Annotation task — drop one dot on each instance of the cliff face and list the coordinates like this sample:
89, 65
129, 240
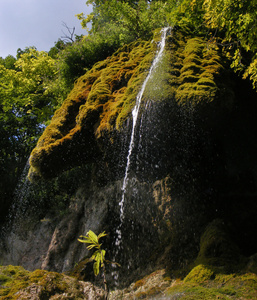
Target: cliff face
193, 163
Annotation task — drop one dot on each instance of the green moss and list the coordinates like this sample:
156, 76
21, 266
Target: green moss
4, 279
197, 68
103, 98
217, 271
199, 274
195, 292
204, 282
13, 279
17, 281
101, 101
216, 247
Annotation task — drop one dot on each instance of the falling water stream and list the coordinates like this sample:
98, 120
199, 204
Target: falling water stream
135, 113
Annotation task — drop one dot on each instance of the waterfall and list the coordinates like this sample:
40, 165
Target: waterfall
135, 113
19, 205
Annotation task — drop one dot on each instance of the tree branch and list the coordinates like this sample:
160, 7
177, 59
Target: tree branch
68, 37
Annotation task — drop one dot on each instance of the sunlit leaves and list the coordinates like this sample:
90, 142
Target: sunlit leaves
231, 24
237, 20
134, 19
251, 71
99, 258
99, 255
36, 72
27, 101
187, 13
27, 88
92, 239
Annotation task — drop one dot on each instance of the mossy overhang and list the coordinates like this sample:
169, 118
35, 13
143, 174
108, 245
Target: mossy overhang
102, 99
100, 102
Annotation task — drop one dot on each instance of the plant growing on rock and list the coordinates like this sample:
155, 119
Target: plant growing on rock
98, 256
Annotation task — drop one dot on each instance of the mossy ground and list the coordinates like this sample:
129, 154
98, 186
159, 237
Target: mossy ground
204, 282
218, 272
18, 283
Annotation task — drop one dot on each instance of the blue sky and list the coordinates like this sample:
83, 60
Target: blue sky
38, 23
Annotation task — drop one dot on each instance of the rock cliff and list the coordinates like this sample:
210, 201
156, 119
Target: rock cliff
193, 164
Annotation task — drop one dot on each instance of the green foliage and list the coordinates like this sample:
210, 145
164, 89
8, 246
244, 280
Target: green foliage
188, 14
28, 98
99, 255
77, 58
237, 21
26, 90
8, 62
228, 23
57, 48
129, 18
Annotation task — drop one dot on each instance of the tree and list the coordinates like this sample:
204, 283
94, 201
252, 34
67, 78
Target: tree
57, 48
231, 24
27, 102
187, 13
132, 19
235, 21
68, 37
8, 62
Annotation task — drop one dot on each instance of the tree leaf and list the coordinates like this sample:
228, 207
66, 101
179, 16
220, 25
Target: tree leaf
103, 256
91, 246
92, 236
102, 234
96, 267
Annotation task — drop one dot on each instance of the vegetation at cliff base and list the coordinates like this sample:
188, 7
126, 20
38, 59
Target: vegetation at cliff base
18, 283
204, 282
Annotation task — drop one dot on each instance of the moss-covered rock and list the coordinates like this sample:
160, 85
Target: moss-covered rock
199, 274
149, 287
202, 283
206, 283
101, 101
190, 72
216, 246
17, 283
197, 70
